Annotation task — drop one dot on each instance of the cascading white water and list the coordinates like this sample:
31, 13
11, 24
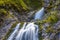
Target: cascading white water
14, 32
39, 14
27, 32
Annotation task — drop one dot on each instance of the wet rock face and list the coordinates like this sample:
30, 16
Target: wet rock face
23, 17
4, 30
53, 33
46, 3
57, 25
57, 36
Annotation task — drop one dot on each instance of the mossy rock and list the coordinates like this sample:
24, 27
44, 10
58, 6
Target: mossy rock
9, 31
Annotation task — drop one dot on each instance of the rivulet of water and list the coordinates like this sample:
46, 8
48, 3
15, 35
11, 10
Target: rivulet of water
11, 37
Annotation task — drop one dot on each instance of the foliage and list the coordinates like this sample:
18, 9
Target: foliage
34, 4
3, 15
52, 18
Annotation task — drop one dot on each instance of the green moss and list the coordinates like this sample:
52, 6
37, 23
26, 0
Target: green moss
3, 15
23, 5
1, 2
34, 4
51, 18
3, 11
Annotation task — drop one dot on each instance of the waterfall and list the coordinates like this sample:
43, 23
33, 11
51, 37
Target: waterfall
39, 14
27, 32
14, 32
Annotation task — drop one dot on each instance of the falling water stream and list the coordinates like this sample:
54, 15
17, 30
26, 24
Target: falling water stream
14, 32
28, 31
39, 14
